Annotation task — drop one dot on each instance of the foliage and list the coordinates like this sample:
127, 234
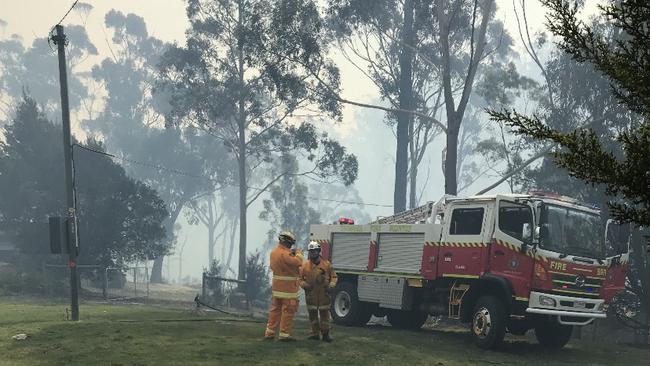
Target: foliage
288, 207
258, 281
622, 168
132, 123
119, 218
347, 203
424, 56
34, 70
246, 68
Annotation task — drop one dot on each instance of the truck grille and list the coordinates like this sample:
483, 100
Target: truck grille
576, 284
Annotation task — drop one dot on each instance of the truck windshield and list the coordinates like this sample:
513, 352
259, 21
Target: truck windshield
571, 232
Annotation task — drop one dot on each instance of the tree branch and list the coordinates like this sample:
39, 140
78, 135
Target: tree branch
526, 163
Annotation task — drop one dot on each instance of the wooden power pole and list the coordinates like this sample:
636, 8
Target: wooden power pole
73, 247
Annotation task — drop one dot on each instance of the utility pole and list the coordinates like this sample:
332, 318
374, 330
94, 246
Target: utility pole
73, 247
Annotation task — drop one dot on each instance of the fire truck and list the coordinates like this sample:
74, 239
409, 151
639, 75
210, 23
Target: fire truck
501, 263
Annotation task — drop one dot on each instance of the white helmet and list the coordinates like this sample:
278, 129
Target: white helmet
313, 246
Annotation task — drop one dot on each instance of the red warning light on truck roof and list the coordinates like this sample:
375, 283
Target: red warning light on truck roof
346, 221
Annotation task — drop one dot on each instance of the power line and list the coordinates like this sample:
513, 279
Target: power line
49, 35
66, 14
196, 176
148, 165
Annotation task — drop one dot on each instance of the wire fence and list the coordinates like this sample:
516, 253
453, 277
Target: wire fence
223, 292
97, 282
127, 283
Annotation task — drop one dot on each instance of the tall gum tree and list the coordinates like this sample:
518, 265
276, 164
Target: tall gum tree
246, 67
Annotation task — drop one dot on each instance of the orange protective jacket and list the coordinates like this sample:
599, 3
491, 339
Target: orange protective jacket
286, 272
316, 279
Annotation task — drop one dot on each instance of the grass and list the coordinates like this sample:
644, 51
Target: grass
144, 335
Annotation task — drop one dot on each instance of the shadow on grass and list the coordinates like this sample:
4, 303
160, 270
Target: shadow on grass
457, 337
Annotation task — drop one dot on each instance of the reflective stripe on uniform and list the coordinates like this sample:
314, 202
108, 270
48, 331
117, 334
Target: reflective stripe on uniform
285, 295
318, 307
285, 278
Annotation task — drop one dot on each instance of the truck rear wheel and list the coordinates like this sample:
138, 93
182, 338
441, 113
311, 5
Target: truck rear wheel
403, 319
488, 322
553, 335
346, 308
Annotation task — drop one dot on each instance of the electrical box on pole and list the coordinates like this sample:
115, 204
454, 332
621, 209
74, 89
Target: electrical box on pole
58, 236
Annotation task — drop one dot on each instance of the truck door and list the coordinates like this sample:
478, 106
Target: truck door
464, 243
509, 257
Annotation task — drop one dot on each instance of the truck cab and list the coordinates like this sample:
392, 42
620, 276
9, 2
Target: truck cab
502, 263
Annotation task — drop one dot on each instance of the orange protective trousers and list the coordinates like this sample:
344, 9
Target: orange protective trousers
322, 326
282, 313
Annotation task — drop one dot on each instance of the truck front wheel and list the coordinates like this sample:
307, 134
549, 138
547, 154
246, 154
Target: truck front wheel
553, 335
346, 308
488, 322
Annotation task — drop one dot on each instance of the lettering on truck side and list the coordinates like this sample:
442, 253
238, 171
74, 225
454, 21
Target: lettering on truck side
352, 228
558, 266
400, 228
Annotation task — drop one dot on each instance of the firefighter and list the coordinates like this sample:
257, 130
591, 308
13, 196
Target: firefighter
318, 279
285, 265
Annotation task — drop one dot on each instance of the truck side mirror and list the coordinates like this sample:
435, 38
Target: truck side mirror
617, 237
526, 236
526, 232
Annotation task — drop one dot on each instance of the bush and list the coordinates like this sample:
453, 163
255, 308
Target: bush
257, 279
14, 281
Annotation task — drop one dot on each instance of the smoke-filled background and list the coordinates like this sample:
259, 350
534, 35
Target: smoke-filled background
155, 84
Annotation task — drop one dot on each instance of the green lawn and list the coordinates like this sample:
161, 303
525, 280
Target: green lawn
141, 335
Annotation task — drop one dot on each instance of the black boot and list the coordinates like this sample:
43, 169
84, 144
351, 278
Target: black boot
326, 337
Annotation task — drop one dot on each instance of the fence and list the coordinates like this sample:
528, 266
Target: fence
97, 282
221, 291
126, 283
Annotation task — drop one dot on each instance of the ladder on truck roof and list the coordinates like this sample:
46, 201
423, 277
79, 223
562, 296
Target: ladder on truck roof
413, 216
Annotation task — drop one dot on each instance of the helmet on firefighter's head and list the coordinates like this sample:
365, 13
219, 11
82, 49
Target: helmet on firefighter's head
313, 246
287, 238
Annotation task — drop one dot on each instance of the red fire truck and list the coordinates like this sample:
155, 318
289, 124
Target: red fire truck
502, 263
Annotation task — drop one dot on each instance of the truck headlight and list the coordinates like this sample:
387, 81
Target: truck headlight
547, 301
602, 307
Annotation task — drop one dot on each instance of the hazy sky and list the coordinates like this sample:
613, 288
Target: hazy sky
166, 20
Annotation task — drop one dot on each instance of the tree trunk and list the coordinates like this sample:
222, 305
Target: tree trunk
413, 176
455, 115
405, 103
451, 159
180, 267
641, 263
233, 233
211, 223
241, 159
211, 243
156, 270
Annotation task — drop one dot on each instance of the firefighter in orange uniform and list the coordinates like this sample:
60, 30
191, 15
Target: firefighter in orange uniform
285, 264
317, 278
